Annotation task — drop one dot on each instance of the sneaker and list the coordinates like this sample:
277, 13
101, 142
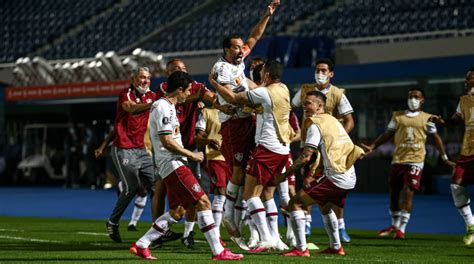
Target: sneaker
189, 241
345, 238
141, 252
253, 242
240, 242
262, 246
387, 231
132, 228
281, 246
296, 253
230, 226
113, 231
469, 237
307, 229
399, 235
166, 237
330, 250
226, 254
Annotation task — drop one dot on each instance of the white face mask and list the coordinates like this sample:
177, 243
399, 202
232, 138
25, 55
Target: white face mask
320, 78
414, 104
471, 92
141, 89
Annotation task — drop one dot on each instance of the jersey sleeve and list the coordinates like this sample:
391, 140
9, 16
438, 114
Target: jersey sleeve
345, 106
163, 120
458, 110
258, 96
431, 128
201, 122
125, 96
313, 137
296, 101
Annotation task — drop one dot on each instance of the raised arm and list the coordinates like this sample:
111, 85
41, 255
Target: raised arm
258, 30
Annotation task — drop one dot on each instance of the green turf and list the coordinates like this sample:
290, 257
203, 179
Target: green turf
59, 240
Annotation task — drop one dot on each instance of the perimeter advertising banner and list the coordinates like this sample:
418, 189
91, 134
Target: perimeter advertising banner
92, 89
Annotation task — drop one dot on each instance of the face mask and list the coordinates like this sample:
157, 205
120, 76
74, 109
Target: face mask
141, 89
414, 104
320, 78
471, 92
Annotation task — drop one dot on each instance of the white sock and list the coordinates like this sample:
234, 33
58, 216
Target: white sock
309, 219
298, 221
239, 209
231, 193
341, 224
188, 227
467, 215
253, 228
161, 225
284, 193
289, 228
140, 203
404, 218
208, 228
395, 215
272, 218
331, 226
218, 210
257, 212
462, 201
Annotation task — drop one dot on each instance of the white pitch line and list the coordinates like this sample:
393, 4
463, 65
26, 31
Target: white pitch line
32, 239
92, 234
11, 230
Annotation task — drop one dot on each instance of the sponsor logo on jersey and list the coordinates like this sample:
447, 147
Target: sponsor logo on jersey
165, 120
239, 156
196, 187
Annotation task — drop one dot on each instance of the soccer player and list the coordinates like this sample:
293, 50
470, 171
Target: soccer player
273, 138
135, 165
237, 131
187, 116
464, 171
323, 135
409, 129
207, 135
170, 158
338, 106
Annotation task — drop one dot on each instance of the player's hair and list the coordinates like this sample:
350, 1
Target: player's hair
226, 41
178, 79
173, 60
470, 70
274, 68
256, 73
138, 69
318, 95
417, 89
258, 58
327, 61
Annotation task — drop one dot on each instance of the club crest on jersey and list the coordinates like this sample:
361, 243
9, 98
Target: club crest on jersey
137, 100
149, 101
196, 187
124, 161
239, 156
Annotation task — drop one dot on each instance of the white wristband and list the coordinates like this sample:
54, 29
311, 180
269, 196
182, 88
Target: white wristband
444, 157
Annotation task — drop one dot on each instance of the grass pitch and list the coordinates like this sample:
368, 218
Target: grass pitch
48, 240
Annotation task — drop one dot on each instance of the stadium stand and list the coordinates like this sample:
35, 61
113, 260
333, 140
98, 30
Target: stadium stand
27, 25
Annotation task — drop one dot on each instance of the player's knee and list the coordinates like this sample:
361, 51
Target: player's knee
294, 204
